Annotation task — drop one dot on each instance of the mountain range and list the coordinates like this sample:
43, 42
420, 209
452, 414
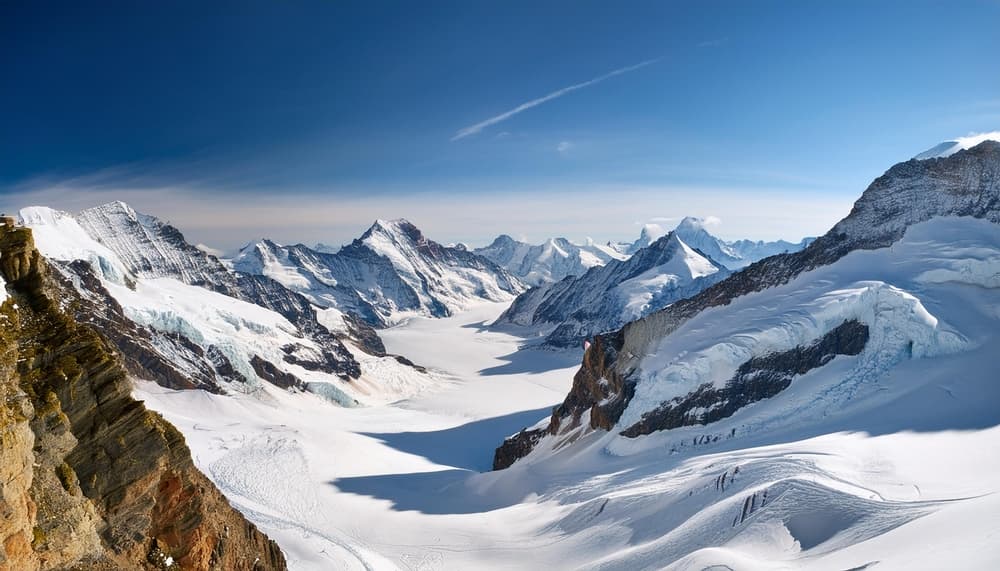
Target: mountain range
391, 271
606, 297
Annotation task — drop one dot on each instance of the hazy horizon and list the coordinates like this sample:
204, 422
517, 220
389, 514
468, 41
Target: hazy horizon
237, 122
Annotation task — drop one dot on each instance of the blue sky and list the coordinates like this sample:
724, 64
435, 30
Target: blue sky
305, 120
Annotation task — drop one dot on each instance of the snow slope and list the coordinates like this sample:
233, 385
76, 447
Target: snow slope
900, 478
388, 487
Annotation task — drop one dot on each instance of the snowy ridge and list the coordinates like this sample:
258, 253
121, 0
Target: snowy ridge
550, 261
949, 148
606, 297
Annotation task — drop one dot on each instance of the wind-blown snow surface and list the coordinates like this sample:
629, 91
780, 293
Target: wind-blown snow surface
885, 459
948, 148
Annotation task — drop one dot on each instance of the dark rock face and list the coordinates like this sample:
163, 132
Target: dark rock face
964, 184
757, 379
595, 377
515, 448
274, 375
105, 483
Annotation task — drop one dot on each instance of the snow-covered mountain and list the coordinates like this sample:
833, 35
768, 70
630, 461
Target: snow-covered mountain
550, 261
733, 255
898, 280
606, 297
181, 318
391, 270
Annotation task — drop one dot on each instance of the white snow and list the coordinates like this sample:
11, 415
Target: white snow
384, 487
948, 148
901, 472
679, 271
59, 236
885, 459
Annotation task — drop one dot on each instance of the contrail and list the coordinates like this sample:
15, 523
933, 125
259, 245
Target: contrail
473, 129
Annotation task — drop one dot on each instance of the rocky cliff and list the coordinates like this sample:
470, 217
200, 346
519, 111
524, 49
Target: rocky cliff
91, 479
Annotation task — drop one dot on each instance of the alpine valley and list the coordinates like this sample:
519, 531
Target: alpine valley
677, 402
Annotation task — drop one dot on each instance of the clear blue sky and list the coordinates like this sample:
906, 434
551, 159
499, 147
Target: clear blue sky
302, 120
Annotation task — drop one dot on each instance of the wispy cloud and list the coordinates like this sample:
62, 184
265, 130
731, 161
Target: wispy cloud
564, 147
473, 129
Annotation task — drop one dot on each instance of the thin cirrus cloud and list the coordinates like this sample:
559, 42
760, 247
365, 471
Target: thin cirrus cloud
476, 128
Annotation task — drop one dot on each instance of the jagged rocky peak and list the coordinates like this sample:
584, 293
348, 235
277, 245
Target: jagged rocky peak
92, 479
643, 378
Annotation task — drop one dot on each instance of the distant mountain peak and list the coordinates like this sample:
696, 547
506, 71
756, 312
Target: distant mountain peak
394, 229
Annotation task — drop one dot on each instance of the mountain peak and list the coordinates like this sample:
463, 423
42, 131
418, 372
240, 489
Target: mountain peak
948, 148
691, 223
396, 228
502, 240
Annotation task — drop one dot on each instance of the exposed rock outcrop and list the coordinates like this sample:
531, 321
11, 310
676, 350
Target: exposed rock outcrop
91, 478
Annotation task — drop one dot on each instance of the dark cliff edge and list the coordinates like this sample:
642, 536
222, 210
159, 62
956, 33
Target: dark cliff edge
90, 478
964, 184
